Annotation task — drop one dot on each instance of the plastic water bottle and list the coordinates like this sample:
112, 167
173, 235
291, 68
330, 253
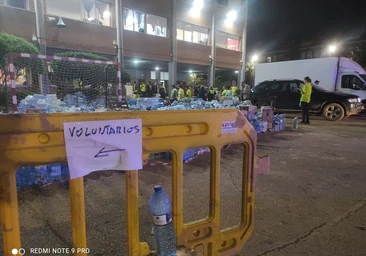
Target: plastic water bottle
160, 207
295, 124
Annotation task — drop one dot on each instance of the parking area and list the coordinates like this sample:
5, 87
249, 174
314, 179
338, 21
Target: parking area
312, 203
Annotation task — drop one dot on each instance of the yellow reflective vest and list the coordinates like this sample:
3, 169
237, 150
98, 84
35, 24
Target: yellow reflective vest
143, 87
306, 93
234, 90
180, 94
189, 93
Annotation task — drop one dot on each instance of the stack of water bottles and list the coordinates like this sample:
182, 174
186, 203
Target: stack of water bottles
195, 103
41, 175
279, 122
49, 103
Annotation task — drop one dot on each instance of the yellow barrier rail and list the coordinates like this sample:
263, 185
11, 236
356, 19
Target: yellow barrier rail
33, 139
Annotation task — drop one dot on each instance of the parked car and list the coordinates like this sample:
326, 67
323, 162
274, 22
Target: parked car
284, 94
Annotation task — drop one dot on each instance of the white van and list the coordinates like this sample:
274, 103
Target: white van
334, 74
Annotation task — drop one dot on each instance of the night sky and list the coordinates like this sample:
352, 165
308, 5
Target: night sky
275, 24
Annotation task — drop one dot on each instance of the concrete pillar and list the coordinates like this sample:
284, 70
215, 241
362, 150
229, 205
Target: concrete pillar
41, 35
41, 40
173, 34
119, 28
213, 47
244, 42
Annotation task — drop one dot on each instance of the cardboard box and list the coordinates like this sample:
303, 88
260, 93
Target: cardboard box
267, 114
249, 111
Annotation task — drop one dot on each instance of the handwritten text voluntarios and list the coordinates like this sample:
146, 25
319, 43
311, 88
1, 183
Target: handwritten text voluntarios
103, 130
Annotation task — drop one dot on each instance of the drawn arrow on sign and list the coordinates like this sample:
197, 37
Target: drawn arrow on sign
102, 152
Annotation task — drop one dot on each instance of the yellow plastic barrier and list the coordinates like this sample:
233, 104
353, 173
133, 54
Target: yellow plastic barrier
33, 139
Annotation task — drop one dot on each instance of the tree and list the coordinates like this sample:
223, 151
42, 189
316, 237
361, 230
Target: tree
12, 43
359, 54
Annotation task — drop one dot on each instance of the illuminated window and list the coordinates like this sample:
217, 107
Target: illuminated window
230, 42
97, 12
233, 43
128, 19
180, 34
139, 18
192, 33
153, 75
164, 75
187, 36
144, 23
133, 20
156, 25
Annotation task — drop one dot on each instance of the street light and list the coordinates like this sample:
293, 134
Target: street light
157, 68
236, 71
231, 17
196, 8
331, 49
255, 58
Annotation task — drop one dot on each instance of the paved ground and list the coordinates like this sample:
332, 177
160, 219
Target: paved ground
312, 203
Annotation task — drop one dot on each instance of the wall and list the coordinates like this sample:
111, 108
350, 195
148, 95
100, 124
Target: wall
146, 46
193, 53
19, 22
237, 27
227, 58
184, 7
81, 36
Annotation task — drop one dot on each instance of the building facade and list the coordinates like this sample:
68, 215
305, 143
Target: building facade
311, 50
147, 32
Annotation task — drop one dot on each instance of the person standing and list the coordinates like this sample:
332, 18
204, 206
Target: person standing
162, 92
202, 92
246, 91
143, 89
211, 94
180, 92
306, 91
173, 94
188, 92
234, 89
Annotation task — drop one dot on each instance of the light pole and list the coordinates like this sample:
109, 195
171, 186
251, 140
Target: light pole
244, 42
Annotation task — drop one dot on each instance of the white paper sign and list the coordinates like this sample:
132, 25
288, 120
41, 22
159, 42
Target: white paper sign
229, 127
103, 145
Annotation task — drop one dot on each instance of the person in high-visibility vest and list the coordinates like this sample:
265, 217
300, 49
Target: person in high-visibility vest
223, 93
189, 93
234, 88
211, 94
228, 92
180, 92
143, 89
